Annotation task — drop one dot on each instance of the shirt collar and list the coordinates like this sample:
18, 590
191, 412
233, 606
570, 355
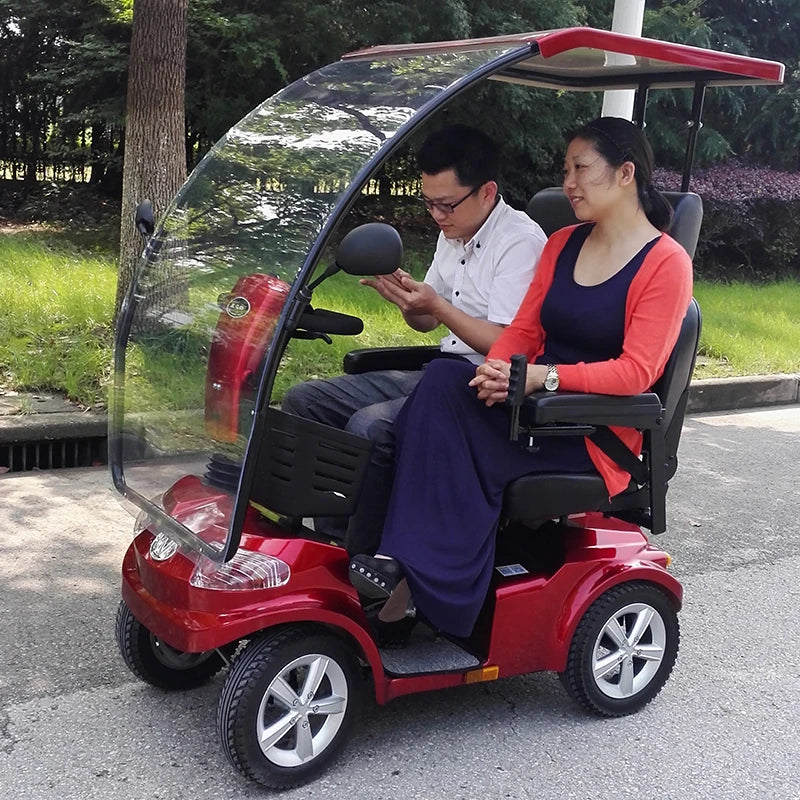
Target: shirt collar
479, 243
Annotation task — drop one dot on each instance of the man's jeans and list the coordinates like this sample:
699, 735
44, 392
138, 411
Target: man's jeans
364, 405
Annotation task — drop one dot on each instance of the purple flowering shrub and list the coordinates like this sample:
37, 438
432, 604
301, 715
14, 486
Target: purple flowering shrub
751, 221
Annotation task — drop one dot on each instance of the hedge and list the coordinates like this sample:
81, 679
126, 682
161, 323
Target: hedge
751, 222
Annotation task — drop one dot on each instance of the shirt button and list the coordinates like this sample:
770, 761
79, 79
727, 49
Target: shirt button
458, 293
463, 261
477, 244
453, 342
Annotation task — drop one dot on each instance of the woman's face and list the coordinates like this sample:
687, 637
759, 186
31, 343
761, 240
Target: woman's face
589, 180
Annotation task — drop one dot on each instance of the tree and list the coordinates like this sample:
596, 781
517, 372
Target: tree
766, 29
155, 155
61, 86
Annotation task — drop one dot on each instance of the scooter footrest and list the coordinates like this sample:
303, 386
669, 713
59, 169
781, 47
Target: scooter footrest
425, 653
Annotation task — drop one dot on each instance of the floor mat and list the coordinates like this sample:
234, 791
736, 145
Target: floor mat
426, 651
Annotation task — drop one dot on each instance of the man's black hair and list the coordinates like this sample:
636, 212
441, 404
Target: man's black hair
470, 153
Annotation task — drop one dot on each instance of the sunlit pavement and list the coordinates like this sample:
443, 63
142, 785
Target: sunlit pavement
75, 724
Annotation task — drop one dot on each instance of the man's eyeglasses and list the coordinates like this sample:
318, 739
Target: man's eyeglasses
444, 208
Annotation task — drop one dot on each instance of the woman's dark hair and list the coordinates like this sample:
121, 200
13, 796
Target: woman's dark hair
618, 141
470, 153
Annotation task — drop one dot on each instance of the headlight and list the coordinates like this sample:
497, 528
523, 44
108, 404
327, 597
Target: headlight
246, 570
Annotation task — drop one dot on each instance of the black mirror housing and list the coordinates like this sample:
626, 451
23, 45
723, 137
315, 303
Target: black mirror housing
374, 248
144, 218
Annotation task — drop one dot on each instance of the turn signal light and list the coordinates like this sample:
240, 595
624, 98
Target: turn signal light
483, 674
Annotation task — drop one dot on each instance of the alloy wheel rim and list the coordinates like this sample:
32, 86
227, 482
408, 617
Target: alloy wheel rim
302, 710
629, 650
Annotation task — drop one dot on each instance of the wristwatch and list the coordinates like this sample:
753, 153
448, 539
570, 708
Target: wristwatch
551, 381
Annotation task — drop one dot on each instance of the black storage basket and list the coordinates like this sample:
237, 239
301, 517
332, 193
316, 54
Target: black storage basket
307, 469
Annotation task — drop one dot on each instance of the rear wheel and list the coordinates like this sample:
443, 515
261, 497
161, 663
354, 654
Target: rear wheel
287, 705
158, 664
623, 650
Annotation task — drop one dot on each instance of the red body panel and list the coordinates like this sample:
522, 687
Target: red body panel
242, 334
601, 553
527, 626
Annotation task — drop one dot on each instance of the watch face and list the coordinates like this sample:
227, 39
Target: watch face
551, 381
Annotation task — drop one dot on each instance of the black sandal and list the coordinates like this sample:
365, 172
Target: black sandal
390, 635
393, 635
375, 578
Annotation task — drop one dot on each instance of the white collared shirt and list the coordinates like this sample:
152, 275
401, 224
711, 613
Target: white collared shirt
487, 277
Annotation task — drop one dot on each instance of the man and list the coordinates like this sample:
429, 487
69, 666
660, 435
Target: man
484, 261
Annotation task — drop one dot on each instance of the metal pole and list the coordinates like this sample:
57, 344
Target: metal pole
694, 124
628, 17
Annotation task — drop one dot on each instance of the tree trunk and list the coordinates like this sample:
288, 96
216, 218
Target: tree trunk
155, 155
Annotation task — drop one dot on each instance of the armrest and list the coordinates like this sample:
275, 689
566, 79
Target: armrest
407, 358
642, 411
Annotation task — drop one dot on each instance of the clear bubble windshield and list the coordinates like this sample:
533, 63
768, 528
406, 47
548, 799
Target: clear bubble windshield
216, 275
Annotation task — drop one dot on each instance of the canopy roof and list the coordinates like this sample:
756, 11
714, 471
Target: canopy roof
591, 59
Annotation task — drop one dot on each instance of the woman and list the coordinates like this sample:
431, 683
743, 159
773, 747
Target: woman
602, 315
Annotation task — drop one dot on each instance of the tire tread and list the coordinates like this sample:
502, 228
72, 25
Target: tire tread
244, 673
572, 678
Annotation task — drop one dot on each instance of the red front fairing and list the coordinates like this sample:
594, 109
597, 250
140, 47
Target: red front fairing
195, 619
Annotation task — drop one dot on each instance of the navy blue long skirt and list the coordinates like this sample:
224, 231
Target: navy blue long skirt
454, 460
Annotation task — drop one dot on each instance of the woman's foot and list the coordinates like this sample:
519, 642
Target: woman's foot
391, 633
399, 605
375, 576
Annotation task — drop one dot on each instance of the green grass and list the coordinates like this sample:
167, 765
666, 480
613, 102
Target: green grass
749, 329
56, 301
55, 319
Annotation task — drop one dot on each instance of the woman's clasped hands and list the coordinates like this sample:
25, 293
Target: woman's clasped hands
491, 380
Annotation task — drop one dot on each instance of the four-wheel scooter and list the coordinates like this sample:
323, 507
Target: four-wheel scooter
225, 571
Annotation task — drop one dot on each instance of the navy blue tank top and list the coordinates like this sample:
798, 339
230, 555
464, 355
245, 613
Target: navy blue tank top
585, 323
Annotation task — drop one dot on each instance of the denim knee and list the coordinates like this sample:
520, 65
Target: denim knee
295, 401
369, 423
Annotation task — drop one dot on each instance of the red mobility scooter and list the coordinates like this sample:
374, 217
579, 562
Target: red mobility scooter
225, 571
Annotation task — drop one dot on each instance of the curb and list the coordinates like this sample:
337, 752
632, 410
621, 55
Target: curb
705, 396
734, 394
19, 428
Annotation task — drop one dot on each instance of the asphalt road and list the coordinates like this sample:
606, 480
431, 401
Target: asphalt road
74, 723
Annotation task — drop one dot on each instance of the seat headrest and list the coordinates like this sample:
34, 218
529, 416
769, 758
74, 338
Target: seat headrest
551, 209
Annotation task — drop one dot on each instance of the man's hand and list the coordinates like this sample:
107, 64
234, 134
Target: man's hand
410, 296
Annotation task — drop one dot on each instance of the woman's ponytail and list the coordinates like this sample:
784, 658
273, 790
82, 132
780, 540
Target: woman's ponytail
656, 206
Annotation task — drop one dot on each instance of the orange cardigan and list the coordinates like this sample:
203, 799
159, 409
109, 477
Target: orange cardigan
658, 297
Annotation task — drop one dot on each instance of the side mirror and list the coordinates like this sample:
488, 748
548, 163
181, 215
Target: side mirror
374, 248
144, 219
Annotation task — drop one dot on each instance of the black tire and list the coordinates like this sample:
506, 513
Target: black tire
158, 664
613, 669
264, 689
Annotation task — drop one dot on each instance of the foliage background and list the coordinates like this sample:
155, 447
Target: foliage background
63, 73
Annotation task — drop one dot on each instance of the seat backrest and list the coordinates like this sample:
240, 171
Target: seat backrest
672, 387
551, 209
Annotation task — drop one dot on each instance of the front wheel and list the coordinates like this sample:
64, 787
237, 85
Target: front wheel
158, 664
623, 650
287, 705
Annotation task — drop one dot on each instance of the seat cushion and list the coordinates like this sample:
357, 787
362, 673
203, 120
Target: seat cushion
554, 494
